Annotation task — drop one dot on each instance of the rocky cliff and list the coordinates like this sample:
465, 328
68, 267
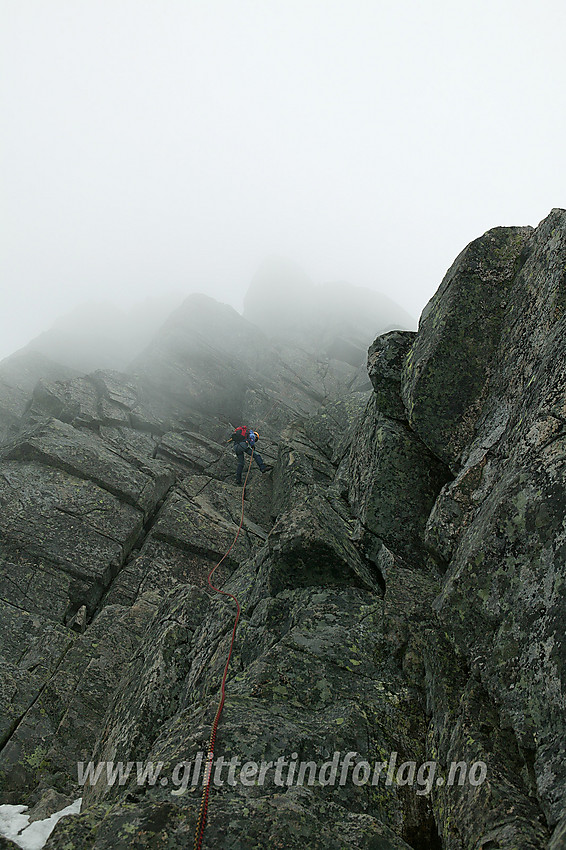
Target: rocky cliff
400, 572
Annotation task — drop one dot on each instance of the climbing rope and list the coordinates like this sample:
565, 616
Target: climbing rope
201, 820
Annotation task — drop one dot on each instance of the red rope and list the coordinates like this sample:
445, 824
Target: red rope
201, 820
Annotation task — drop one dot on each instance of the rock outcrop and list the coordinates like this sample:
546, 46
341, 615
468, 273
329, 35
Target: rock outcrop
19, 374
400, 572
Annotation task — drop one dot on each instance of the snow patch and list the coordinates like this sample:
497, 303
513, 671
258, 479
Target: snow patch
31, 836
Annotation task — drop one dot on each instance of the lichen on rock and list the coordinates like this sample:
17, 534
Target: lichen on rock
400, 572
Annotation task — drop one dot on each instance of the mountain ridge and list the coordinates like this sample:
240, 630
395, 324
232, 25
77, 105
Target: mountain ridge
399, 573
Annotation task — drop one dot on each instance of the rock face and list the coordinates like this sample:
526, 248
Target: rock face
501, 522
400, 573
443, 392
18, 376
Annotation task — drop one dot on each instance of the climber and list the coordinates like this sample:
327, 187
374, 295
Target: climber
244, 440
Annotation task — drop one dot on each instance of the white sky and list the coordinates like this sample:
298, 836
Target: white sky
163, 145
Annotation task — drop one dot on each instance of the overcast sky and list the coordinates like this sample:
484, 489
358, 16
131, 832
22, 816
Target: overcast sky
170, 145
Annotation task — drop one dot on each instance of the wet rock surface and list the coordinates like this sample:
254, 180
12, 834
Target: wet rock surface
400, 573
19, 374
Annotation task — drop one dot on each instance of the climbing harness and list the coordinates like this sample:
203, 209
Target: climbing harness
201, 820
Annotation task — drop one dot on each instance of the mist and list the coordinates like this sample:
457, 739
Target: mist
152, 150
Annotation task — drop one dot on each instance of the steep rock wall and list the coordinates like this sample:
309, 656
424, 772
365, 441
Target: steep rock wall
400, 572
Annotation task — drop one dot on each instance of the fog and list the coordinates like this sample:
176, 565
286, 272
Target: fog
163, 147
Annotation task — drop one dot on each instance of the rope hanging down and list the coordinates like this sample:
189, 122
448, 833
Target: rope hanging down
201, 820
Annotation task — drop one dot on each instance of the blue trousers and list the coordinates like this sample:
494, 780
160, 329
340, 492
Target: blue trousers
241, 449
